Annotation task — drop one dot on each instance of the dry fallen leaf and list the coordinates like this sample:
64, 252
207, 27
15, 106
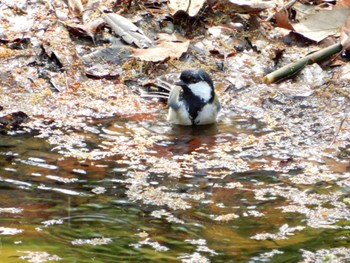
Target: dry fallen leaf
76, 7
88, 29
191, 7
124, 28
345, 34
322, 24
253, 6
282, 20
169, 46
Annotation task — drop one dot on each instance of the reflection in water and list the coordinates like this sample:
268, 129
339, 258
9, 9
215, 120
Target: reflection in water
184, 140
159, 194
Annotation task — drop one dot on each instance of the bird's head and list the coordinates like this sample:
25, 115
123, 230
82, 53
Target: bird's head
197, 82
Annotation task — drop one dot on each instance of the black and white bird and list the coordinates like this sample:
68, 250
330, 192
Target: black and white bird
193, 100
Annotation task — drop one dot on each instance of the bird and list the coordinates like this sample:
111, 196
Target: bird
193, 100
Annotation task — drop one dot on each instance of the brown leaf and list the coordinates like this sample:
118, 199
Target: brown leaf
322, 24
191, 7
76, 7
85, 30
345, 35
167, 48
282, 20
171, 38
253, 6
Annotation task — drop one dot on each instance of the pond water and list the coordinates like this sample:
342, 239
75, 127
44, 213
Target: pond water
153, 193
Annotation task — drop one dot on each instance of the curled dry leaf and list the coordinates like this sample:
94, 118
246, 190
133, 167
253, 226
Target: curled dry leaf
282, 20
345, 34
124, 28
345, 38
254, 6
169, 46
322, 24
191, 7
85, 30
76, 7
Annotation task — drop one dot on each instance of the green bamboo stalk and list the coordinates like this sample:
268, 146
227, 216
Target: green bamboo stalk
295, 67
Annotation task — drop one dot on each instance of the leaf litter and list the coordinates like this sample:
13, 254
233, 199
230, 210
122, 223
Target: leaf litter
292, 124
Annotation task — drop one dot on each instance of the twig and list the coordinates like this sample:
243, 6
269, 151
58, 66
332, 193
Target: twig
346, 111
188, 7
293, 68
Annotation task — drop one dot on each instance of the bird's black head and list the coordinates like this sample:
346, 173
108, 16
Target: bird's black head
192, 76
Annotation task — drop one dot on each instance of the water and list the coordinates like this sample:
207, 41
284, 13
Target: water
153, 193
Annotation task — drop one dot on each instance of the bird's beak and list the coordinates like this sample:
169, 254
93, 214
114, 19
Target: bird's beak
180, 83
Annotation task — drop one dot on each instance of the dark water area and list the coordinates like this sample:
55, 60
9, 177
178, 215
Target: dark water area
165, 195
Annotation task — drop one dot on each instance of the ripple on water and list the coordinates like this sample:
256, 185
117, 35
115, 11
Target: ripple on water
125, 206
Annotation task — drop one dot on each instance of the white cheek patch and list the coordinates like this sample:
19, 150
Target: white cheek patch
201, 89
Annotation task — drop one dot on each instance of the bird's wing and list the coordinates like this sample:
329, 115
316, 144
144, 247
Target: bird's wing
217, 103
154, 94
173, 100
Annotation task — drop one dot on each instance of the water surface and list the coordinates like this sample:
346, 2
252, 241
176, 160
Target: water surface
154, 193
